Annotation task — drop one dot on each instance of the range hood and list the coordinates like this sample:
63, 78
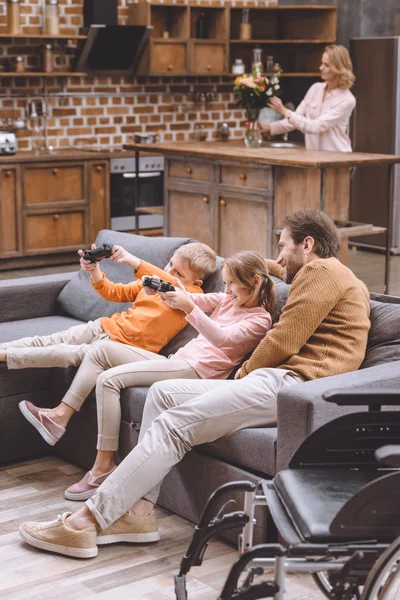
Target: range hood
111, 49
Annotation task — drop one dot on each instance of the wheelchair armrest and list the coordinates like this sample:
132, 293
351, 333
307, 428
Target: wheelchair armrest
374, 399
389, 455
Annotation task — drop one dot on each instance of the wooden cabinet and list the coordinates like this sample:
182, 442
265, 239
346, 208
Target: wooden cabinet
51, 207
295, 35
228, 206
10, 212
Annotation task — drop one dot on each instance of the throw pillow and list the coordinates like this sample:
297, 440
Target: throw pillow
384, 336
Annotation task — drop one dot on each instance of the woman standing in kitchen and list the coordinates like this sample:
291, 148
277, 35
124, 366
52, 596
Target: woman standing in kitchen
324, 113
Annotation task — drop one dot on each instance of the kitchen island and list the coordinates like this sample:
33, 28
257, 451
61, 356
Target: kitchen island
234, 198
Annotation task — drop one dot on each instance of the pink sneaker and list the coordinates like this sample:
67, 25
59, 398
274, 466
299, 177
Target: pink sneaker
48, 429
86, 487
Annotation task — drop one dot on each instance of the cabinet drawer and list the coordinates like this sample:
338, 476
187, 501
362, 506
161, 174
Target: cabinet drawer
55, 231
190, 170
168, 57
208, 58
247, 177
61, 183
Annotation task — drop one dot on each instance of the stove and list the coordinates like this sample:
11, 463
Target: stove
124, 213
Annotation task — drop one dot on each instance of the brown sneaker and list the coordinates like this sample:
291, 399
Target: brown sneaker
130, 528
86, 487
56, 536
48, 429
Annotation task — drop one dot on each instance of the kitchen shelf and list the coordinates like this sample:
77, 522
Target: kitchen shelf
282, 41
41, 36
40, 74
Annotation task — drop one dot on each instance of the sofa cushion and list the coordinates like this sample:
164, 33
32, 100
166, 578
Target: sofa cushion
384, 336
13, 330
281, 294
78, 299
251, 449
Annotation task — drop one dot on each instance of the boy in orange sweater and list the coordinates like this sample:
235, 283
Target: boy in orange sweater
148, 325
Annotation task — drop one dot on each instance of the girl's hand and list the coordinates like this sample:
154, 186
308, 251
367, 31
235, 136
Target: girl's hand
179, 299
277, 104
89, 267
120, 255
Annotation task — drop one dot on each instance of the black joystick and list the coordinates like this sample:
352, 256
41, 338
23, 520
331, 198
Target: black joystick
158, 284
104, 251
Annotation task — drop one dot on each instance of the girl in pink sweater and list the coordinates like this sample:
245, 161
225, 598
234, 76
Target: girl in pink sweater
239, 320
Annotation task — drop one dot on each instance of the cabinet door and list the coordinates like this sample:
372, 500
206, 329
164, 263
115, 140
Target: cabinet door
54, 183
190, 215
243, 225
10, 212
55, 232
208, 58
168, 57
99, 197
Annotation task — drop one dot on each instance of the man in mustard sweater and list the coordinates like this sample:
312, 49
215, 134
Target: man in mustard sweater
322, 331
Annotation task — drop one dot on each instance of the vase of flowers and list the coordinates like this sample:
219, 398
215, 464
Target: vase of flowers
254, 94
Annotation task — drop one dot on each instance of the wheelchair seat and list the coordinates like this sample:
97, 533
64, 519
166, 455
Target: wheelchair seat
313, 498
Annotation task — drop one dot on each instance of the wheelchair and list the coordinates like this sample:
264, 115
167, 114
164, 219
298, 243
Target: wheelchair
334, 513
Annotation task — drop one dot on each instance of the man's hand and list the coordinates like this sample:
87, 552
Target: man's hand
92, 268
239, 374
180, 299
120, 255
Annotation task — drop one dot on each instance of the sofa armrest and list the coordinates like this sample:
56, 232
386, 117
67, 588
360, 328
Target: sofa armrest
31, 297
301, 408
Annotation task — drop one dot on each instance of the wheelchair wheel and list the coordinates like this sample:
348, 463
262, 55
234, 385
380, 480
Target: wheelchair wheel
321, 580
383, 581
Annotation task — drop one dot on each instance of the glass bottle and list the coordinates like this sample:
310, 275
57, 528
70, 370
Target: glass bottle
48, 59
269, 64
257, 65
245, 26
201, 27
51, 21
19, 64
13, 17
36, 136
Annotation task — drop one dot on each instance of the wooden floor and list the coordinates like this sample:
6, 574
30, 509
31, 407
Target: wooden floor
34, 491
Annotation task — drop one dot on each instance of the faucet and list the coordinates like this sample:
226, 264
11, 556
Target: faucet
33, 112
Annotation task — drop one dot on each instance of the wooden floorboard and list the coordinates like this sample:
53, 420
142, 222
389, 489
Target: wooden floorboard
33, 490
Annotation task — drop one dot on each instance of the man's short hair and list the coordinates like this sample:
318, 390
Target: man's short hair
319, 226
201, 259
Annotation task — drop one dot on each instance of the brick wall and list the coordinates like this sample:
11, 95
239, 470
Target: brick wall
108, 110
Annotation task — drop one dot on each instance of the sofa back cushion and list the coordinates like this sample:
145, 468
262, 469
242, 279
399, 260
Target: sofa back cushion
384, 336
78, 299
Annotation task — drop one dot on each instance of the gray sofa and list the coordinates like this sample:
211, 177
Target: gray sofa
41, 305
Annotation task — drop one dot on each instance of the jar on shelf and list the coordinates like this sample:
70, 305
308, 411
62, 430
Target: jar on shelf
257, 64
13, 17
238, 67
245, 26
48, 59
51, 19
19, 64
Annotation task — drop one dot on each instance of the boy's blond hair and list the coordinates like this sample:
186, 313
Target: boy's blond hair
201, 259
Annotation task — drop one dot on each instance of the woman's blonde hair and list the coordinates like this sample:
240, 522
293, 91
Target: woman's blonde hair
242, 267
341, 65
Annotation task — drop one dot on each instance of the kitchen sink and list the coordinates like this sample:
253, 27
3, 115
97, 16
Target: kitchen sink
282, 145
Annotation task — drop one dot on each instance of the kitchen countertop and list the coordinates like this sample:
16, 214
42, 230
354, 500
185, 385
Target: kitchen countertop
289, 157
67, 154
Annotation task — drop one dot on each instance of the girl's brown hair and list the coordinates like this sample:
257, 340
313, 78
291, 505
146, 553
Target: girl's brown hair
243, 266
341, 65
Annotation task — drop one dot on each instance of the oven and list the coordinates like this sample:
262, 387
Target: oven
122, 192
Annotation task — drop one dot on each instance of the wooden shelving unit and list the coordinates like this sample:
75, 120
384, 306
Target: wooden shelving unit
61, 38
294, 35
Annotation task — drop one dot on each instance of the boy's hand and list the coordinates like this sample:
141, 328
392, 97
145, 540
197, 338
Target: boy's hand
92, 268
180, 299
148, 290
120, 255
